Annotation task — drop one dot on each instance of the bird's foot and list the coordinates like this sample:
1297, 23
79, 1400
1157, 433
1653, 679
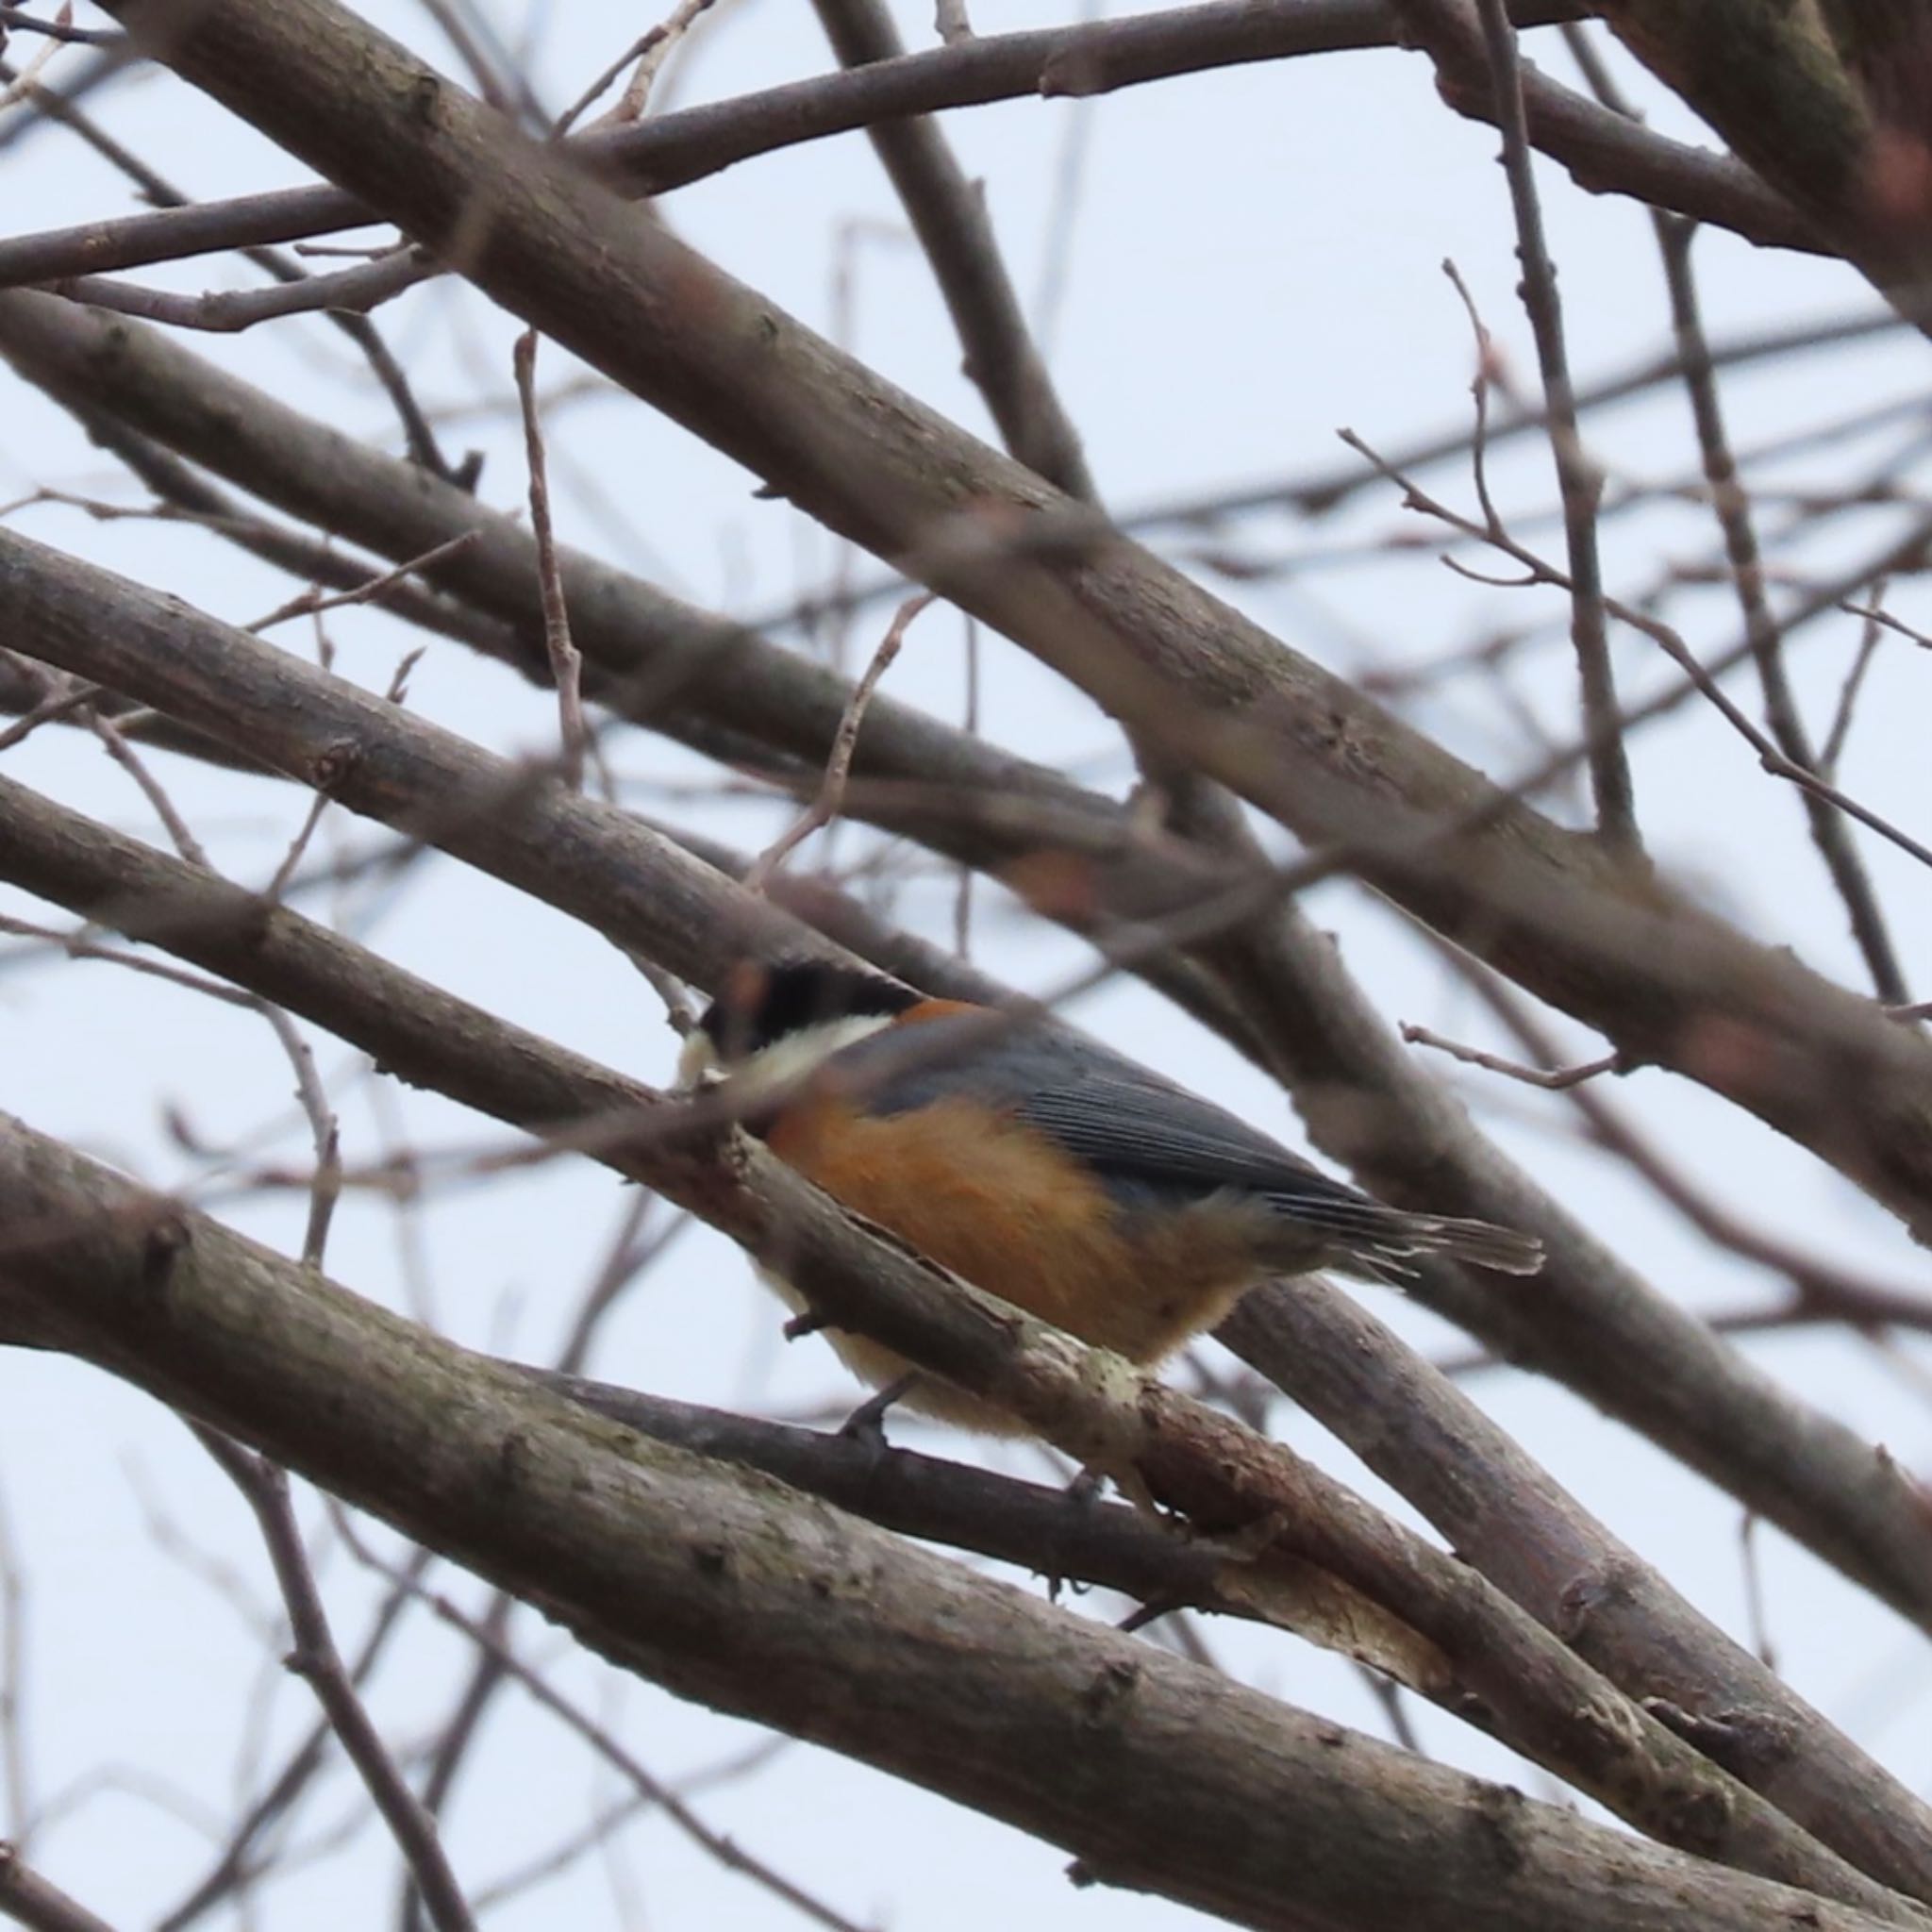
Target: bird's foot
866, 1422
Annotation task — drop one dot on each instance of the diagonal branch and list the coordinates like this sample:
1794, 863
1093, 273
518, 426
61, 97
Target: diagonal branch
31, 1899
1604, 152
949, 215
1579, 481
1601, 1329
733, 1590
264, 1486
428, 1036
1664, 980
1543, 1699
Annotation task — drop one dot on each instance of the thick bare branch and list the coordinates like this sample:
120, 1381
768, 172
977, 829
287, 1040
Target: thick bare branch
1602, 1330
711, 683
736, 1592
1546, 1701
431, 1038
666, 152
1826, 102
949, 215
33, 1901
1665, 981
1542, 1631
1507, 1517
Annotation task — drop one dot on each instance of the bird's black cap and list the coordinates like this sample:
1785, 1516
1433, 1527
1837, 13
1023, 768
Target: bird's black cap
763, 1001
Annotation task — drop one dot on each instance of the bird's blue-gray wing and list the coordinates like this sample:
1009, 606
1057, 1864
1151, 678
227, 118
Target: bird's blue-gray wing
1151, 1142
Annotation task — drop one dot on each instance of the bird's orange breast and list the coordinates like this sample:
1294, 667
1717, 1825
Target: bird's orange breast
1002, 1204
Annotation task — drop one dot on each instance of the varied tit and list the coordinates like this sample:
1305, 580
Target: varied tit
1032, 1161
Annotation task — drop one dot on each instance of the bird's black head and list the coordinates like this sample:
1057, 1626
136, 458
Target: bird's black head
762, 1003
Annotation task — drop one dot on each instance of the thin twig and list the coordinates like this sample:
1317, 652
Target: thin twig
1819, 1284
228, 311
969, 723
76, 945
1388, 1693
1578, 479
326, 1181
1485, 365
15, 1780
397, 692
1743, 555
498, 73
1754, 1611
25, 84
1552, 1080
325, 1191
1731, 505
1834, 746
239, 1863
566, 665
561, 1857
1885, 620
30, 1900
650, 50
831, 792
265, 1488
187, 497
56, 704
1070, 175
18, 20
297, 846
130, 761
725, 1851
375, 589
1701, 678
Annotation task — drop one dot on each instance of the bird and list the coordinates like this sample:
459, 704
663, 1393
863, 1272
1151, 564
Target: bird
1038, 1164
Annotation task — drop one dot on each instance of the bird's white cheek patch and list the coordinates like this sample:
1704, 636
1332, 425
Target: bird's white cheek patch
697, 1062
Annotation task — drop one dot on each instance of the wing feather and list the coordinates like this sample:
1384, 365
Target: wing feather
1152, 1141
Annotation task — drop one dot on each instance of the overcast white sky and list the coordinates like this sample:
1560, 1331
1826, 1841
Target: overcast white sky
1254, 261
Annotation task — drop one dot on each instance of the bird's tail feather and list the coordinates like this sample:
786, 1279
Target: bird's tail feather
1379, 1240
1480, 1243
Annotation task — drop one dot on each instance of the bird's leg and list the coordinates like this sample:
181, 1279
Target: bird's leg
864, 1424
1084, 1490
